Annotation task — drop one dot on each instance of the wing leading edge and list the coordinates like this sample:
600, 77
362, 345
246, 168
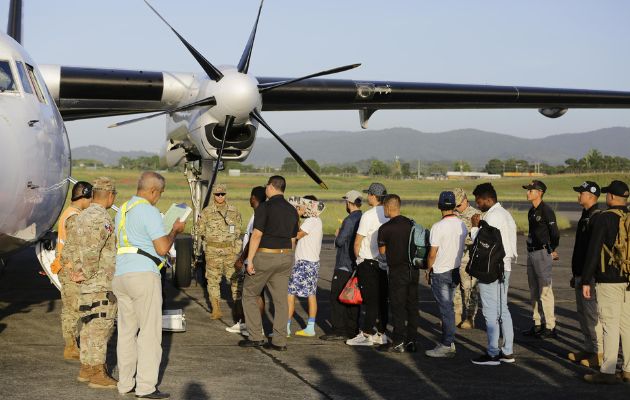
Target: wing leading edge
83, 93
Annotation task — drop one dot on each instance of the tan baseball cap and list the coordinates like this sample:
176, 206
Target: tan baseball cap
104, 183
220, 188
460, 195
352, 196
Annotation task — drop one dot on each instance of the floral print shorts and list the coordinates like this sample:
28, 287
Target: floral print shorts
303, 279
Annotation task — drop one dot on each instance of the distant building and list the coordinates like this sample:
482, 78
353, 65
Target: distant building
460, 175
234, 172
517, 174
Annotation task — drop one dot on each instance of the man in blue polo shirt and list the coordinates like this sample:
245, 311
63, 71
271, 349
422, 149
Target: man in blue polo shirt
142, 243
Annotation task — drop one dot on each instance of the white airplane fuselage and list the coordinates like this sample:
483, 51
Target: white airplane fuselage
34, 151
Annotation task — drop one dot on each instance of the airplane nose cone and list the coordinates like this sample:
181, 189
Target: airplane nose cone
237, 94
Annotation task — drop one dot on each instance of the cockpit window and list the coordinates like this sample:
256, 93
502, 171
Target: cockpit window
26, 84
7, 82
38, 89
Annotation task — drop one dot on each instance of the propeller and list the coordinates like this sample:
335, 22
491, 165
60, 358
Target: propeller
229, 120
207, 66
243, 64
243, 67
208, 101
258, 117
265, 87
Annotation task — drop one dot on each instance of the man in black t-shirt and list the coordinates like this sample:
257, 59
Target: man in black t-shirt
393, 241
269, 263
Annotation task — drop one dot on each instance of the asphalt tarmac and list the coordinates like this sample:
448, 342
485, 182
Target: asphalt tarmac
205, 362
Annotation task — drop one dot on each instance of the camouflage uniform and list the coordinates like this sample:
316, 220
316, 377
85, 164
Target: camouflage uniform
468, 291
70, 291
96, 259
220, 225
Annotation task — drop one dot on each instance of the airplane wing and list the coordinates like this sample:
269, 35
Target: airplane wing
83, 93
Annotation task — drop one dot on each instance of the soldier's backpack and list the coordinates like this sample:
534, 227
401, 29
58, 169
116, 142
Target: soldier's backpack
418, 246
620, 253
486, 256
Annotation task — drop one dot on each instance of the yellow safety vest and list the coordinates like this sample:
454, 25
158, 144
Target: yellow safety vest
126, 247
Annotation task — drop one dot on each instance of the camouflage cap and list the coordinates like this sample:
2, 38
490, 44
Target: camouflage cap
460, 195
104, 183
220, 188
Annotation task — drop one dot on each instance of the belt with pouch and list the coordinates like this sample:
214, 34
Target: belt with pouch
274, 251
220, 245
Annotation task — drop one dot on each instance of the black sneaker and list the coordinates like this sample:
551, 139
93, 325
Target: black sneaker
506, 358
534, 331
411, 347
486, 359
548, 334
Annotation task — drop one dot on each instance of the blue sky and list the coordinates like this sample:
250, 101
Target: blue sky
573, 44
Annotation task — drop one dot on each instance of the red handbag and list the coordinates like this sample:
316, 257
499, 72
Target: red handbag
351, 294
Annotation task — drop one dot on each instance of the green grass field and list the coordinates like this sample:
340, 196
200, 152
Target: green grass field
559, 189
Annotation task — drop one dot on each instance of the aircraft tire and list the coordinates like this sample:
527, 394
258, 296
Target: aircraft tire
183, 263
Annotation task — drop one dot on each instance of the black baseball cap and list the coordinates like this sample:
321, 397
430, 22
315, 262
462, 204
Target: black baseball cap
536, 185
618, 188
447, 201
588, 186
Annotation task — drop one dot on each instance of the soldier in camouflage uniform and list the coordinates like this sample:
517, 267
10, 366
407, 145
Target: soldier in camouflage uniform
94, 263
468, 291
70, 318
220, 226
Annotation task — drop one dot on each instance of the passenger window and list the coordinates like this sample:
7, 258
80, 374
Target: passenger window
26, 84
36, 85
7, 82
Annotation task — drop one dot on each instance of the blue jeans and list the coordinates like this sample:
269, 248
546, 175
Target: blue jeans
495, 310
443, 287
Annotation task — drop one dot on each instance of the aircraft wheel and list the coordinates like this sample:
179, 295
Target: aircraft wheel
183, 262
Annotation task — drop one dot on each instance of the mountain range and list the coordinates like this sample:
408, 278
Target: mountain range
474, 146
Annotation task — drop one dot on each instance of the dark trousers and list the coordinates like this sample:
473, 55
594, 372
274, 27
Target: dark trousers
403, 302
373, 284
343, 317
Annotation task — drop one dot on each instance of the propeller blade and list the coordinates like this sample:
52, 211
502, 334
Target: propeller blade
229, 120
243, 64
258, 117
208, 101
272, 85
211, 70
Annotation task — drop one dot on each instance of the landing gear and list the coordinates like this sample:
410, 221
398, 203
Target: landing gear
190, 248
183, 263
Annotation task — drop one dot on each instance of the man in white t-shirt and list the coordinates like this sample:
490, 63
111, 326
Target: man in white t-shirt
372, 271
448, 237
494, 295
257, 197
305, 273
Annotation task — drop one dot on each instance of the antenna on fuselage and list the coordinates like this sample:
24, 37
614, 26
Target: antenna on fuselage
14, 25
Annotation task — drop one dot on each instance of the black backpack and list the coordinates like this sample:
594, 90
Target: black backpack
486, 255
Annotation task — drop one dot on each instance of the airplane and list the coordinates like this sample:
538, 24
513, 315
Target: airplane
210, 117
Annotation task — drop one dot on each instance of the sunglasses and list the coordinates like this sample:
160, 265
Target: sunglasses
219, 194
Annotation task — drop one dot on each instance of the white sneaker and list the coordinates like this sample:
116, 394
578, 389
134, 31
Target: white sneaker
379, 338
441, 351
238, 327
360, 340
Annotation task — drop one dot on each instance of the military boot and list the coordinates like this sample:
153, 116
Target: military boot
85, 372
100, 379
601, 378
71, 350
216, 309
468, 323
